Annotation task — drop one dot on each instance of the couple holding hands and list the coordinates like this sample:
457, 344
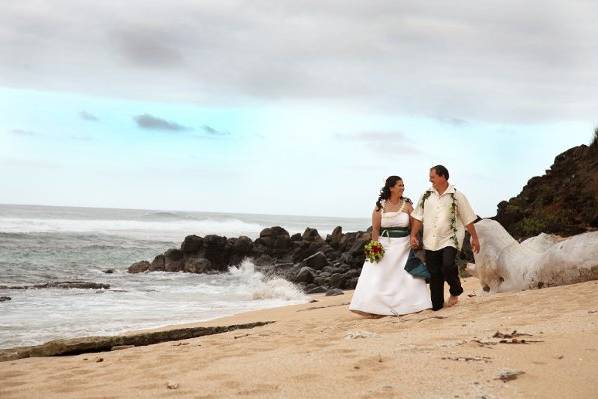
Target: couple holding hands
388, 286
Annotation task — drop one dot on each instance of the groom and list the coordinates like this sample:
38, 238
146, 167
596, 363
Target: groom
444, 213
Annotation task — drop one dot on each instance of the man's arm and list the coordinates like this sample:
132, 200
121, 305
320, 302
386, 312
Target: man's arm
468, 216
416, 218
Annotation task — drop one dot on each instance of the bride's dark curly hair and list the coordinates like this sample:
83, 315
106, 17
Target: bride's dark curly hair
385, 191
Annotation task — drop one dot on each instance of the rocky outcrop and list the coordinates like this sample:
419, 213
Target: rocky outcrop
564, 201
140, 267
307, 259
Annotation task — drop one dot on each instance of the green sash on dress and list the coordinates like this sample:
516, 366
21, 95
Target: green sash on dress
394, 232
414, 266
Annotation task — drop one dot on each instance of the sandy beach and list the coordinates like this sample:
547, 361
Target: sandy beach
548, 337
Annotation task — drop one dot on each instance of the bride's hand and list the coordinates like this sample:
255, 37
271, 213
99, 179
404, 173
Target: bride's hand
414, 242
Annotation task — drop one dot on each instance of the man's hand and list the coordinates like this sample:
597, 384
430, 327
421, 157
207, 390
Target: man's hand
414, 242
475, 244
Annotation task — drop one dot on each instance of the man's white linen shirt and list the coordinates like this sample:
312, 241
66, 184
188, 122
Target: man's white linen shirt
436, 218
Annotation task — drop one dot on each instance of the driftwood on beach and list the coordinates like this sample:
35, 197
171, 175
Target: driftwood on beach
77, 346
503, 264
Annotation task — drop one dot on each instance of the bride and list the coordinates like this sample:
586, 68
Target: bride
386, 288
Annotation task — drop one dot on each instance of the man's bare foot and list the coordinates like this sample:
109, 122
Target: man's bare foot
453, 300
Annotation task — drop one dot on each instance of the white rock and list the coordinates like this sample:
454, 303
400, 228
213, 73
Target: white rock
504, 265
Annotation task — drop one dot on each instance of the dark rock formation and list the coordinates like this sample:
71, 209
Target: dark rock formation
215, 250
334, 239
191, 244
157, 264
316, 261
563, 201
305, 275
139, 267
311, 235
273, 241
306, 259
315, 290
5, 298
173, 260
197, 265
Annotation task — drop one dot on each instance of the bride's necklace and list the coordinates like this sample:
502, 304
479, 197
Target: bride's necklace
401, 202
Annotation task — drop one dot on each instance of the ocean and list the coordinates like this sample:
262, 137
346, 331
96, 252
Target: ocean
43, 244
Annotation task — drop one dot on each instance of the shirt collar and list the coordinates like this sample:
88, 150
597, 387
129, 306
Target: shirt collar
449, 190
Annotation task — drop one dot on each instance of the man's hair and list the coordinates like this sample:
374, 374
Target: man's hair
441, 171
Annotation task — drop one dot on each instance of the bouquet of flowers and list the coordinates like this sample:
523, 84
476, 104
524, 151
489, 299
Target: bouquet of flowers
374, 251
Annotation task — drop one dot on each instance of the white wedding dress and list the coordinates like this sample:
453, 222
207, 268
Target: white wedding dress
385, 288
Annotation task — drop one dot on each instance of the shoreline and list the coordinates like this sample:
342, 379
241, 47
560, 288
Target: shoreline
135, 332
321, 349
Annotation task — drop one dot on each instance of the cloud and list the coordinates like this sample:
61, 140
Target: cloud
213, 132
148, 46
382, 142
147, 121
527, 63
23, 132
81, 138
41, 164
88, 117
457, 122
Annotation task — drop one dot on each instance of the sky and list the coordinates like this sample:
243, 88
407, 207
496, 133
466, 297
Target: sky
287, 107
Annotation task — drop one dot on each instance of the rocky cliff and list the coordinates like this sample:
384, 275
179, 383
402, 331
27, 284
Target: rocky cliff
564, 201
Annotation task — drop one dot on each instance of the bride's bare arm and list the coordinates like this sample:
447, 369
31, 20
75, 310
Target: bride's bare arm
415, 227
376, 221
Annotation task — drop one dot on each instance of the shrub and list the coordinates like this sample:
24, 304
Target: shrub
531, 226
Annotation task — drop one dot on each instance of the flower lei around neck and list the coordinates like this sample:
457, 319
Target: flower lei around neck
452, 216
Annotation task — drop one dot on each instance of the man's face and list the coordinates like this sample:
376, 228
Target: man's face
437, 181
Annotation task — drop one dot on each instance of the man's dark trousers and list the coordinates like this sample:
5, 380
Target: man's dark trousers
441, 265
